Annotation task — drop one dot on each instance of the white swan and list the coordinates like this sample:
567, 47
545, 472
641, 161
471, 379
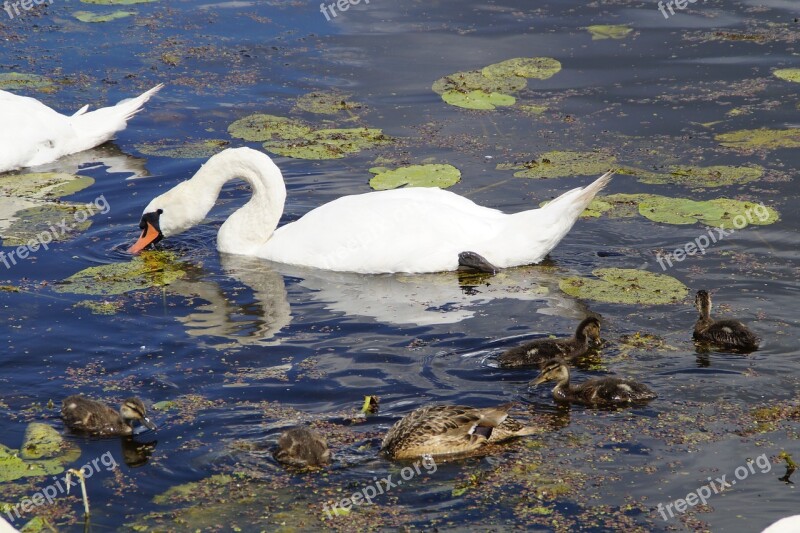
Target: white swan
413, 230
33, 134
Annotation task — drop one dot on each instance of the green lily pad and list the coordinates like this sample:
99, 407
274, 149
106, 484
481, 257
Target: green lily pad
788, 74
540, 68
42, 441
14, 81
533, 109
324, 103
442, 176
37, 524
260, 127
609, 31
558, 164
329, 143
149, 269
478, 99
760, 139
474, 80
626, 286
88, 16
711, 176
32, 223
43, 185
718, 212
14, 467
183, 149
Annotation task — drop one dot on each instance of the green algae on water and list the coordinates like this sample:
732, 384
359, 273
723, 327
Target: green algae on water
442, 176
15, 81
760, 139
326, 103
609, 31
43, 185
626, 286
100, 308
149, 269
90, 17
42, 441
699, 177
788, 74
261, 127
478, 99
557, 164
540, 68
183, 149
31, 223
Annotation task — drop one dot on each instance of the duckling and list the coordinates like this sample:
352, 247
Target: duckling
598, 391
726, 334
540, 351
96, 418
450, 430
302, 448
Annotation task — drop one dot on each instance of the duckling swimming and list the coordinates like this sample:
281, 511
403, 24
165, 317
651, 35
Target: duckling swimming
96, 418
726, 334
450, 430
595, 392
302, 448
540, 351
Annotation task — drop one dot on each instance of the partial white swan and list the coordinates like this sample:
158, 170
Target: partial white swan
33, 134
416, 229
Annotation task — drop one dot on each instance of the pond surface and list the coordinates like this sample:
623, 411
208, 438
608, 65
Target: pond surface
239, 349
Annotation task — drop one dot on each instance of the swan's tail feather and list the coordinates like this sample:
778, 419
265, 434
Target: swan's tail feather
96, 127
572, 203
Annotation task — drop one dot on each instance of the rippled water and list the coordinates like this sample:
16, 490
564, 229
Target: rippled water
246, 348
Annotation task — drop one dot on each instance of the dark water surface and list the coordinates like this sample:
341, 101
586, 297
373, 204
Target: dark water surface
245, 348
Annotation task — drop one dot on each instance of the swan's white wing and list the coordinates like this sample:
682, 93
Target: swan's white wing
403, 230
30, 132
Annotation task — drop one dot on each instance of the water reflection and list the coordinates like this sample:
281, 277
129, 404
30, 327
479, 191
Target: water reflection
108, 155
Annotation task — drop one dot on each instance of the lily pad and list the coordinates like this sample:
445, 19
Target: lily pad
788, 74
43, 185
149, 269
478, 99
100, 308
43, 441
626, 286
534, 109
88, 16
711, 176
260, 127
14, 81
14, 467
34, 222
760, 139
326, 103
329, 143
540, 68
718, 212
558, 164
474, 80
183, 149
609, 31
442, 176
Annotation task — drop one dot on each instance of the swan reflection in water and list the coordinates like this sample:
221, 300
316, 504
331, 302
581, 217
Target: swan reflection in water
396, 299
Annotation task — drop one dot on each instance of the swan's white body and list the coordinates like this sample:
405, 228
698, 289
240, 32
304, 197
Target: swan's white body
404, 230
33, 134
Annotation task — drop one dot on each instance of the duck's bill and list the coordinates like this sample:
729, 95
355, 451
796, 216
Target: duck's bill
150, 235
537, 381
149, 423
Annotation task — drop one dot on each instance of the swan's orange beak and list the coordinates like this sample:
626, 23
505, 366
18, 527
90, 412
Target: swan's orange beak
151, 232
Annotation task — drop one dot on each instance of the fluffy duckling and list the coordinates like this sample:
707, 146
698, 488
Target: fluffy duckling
540, 351
726, 334
598, 391
438, 430
302, 448
96, 418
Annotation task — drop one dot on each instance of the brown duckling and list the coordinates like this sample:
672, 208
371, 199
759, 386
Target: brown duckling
302, 448
438, 430
725, 334
540, 351
96, 418
594, 392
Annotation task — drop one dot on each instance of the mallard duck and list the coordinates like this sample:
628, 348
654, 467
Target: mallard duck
450, 430
726, 334
538, 352
410, 229
33, 134
302, 448
598, 391
96, 418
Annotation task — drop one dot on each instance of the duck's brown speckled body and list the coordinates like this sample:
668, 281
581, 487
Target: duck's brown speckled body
594, 392
302, 448
96, 418
538, 352
725, 334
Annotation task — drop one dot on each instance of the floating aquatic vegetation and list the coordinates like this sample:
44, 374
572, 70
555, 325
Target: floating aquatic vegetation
43, 441
490, 86
760, 139
88, 16
626, 286
29, 223
609, 31
43, 185
559, 164
149, 269
100, 308
13, 466
13, 81
442, 176
718, 212
534, 109
188, 492
788, 74
294, 138
326, 103
183, 149
701, 177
